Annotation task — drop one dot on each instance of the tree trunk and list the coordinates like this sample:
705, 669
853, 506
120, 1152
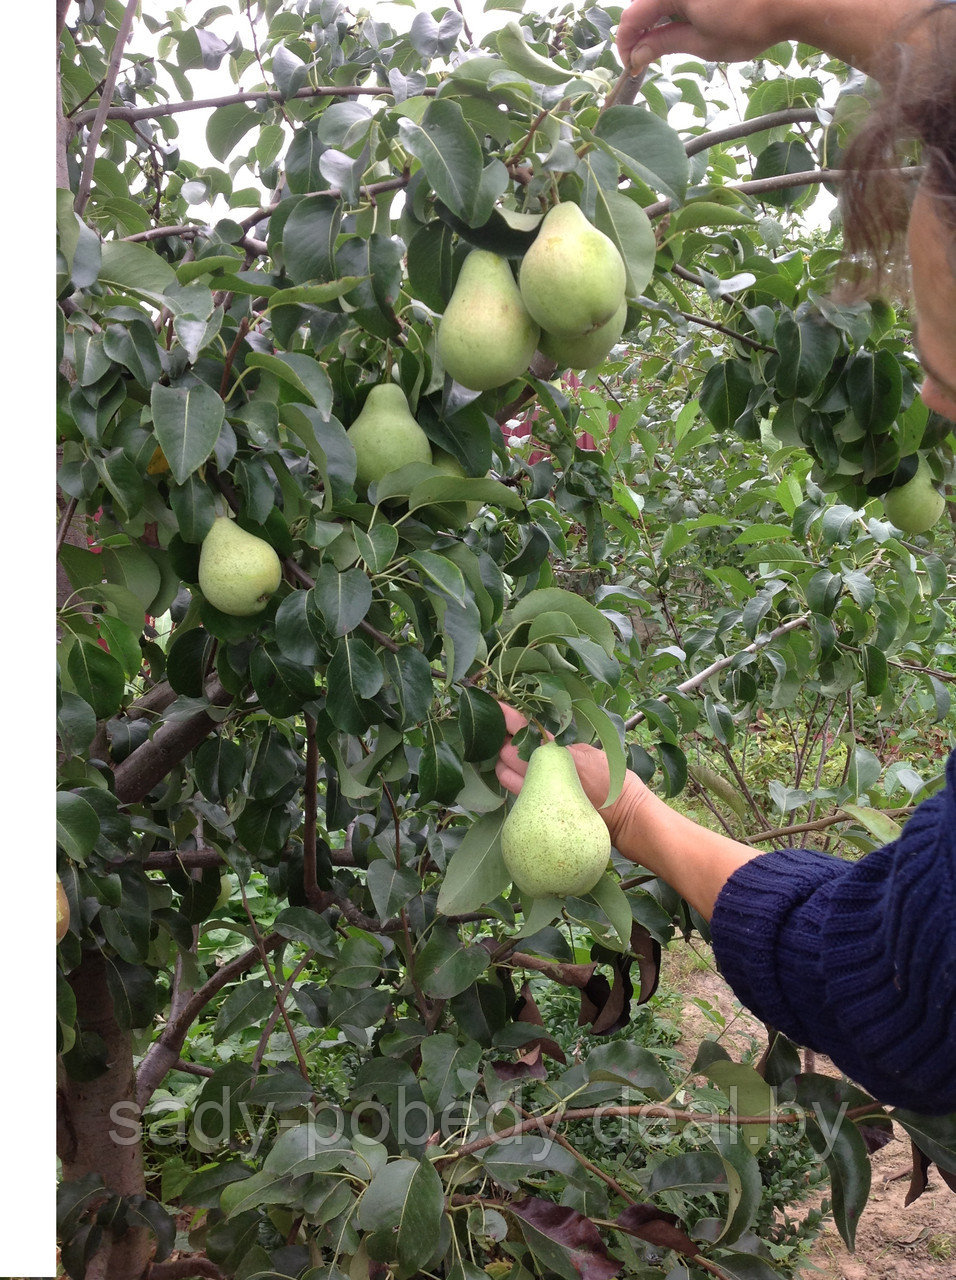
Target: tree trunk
94, 1121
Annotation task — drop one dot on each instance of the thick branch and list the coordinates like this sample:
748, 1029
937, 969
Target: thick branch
103, 110
688, 686
157, 111
145, 768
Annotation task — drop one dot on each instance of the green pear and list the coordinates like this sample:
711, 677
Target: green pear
385, 436
572, 278
486, 337
554, 841
584, 350
915, 506
238, 572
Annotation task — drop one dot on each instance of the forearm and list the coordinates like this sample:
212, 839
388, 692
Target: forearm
692, 859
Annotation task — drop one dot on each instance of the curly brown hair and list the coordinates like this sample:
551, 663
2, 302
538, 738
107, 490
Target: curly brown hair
915, 116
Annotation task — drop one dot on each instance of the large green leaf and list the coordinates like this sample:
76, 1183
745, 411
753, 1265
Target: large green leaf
449, 153
476, 874
405, 1200
629, 227
187, 422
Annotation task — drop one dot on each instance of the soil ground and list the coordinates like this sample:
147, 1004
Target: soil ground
894, 1242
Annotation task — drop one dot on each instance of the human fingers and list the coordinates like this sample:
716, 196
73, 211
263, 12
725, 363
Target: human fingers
514, 720
637, 19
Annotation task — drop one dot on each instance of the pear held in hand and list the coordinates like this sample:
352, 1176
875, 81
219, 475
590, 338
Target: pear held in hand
238, 572
385, 436
915, 506
554, 841
486, 336
572, 278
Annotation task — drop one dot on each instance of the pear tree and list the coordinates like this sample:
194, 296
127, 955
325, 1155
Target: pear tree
327, 495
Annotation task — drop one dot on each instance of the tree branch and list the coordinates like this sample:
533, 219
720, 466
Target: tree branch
821, 824
772, 120
310, 789
145, 767
66, 520
163, 1054
783, 181
182, 1268
157, 111
688, 686
103, 110
644, 1111
731, 333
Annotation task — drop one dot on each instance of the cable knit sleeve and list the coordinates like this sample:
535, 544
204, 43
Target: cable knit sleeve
856, 959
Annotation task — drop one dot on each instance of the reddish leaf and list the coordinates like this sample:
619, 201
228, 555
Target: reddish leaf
617, 1011
919, 1179
656, 1227
647, 951
528, 1011
575, 1234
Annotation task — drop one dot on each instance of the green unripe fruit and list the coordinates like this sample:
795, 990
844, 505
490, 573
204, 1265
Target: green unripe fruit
554, 842
385, 436
584, 350
572, 278
915, 506
486, 337
238, 572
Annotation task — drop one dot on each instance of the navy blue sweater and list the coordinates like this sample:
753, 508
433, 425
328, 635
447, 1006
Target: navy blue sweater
856, 960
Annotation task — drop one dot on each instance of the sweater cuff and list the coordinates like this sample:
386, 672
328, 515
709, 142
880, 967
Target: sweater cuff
759, 904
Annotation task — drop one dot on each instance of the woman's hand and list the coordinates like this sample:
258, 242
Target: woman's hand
710, 29
593, 771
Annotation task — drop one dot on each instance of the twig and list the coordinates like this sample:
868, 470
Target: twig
273, 1018
69, 511
464, 23
280, 997
783, 181
821, 824
103, 110
164, 1053
164, 233
585, 1163
644, 1110
310, 822
192, 1068
241, 332
155, 112
370, 191
772, 120
731, 333
703, 676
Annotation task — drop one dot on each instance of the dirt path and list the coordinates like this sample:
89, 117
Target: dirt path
894, 1242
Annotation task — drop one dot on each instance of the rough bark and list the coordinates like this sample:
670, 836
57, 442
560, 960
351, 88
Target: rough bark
87, 1131
146, 767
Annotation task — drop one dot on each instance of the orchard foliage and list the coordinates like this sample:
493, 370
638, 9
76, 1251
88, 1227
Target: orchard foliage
280, 835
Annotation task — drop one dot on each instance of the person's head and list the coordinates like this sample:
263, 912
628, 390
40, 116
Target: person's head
885, 225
